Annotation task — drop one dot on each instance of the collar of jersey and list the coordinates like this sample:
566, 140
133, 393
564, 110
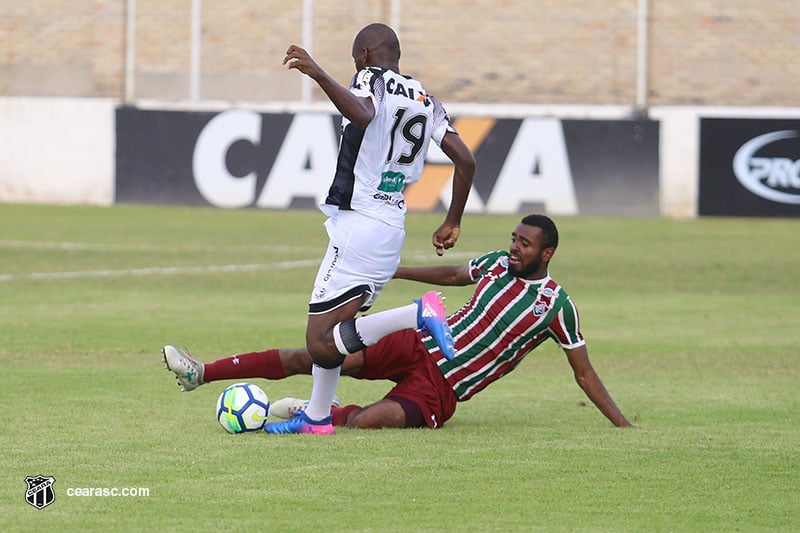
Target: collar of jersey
540, 281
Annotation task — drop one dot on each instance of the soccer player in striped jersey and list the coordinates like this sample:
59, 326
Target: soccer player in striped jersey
515, 307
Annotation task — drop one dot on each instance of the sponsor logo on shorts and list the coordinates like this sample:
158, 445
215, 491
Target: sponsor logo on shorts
319, 292
333, 264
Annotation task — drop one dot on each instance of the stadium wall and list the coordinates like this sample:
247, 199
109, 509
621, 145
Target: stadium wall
57, 150
714, 52
98, 152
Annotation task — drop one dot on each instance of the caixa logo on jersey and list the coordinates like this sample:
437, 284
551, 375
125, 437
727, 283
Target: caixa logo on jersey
769, 166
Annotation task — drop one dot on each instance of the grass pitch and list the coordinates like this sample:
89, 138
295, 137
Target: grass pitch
692, 325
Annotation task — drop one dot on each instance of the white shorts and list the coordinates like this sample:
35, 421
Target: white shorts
363, 255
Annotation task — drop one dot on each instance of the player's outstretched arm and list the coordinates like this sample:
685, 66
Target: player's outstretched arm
436, 275
357, 109
589, 381
447, 234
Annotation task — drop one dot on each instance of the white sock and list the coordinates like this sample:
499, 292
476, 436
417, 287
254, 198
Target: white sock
372, 328
323, 391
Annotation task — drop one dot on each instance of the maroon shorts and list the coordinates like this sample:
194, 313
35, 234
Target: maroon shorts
401, 357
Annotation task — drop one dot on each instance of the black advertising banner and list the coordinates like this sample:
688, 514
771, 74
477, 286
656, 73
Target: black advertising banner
157, 154
749, 167
615, 165
241, 158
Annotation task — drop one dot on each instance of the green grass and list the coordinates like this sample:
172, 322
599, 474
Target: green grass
692, 325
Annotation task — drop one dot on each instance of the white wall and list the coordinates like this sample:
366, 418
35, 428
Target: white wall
57, 150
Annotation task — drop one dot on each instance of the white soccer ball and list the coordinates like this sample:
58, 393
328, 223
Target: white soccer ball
242, 407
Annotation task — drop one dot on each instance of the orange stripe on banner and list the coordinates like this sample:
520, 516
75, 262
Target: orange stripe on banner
474, 130
424, 194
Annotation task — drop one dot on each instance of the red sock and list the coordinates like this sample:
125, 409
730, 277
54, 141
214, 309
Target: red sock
339, 414
246, 365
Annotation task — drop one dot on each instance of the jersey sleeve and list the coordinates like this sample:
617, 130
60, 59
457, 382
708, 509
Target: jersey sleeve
480, 265
441, 122
565, 327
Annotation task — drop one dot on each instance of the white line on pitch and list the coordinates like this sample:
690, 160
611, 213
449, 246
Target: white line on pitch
122, 247
157, 271
167, 271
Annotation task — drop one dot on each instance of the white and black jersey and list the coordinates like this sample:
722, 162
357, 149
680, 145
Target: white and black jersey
376, 163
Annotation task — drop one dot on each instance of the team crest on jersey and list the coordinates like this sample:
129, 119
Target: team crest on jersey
540, 308
364, 78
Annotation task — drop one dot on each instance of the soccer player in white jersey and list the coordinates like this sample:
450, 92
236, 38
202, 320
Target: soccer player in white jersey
515, 307
387, 125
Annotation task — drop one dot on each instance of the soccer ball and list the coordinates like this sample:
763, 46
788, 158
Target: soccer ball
242, 407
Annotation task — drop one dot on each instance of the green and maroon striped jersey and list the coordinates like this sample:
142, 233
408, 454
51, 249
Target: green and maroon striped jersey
506, 318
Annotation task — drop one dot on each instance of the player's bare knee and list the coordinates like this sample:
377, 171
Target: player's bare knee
323, 350
315, 342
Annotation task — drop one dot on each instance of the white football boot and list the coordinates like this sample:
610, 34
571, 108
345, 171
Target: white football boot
287, 408
188, 371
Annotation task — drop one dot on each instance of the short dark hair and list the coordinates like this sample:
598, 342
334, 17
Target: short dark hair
548, 228
381, 41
